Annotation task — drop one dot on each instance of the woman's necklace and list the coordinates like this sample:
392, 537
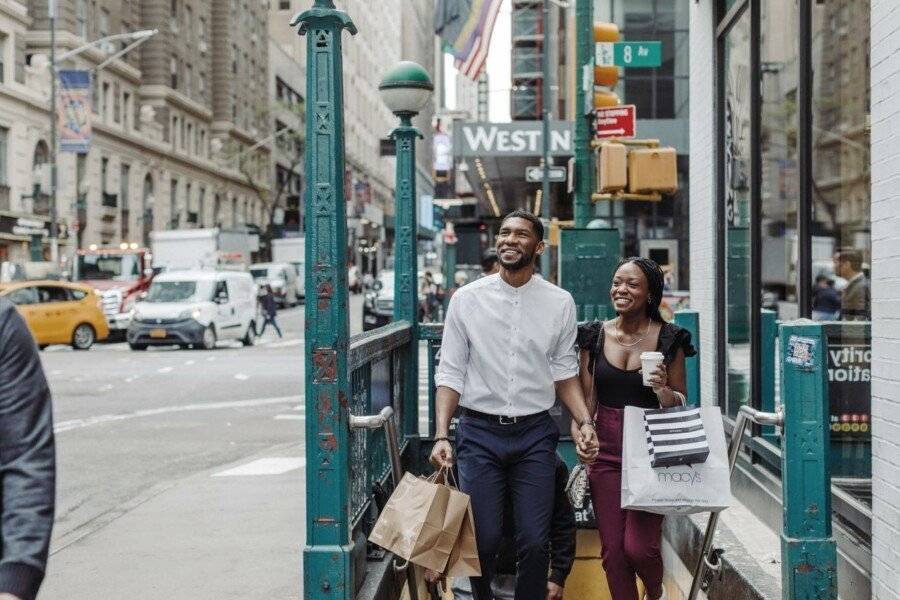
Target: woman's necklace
634, 343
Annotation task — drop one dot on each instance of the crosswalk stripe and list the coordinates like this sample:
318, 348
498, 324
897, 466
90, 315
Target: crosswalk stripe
265, 466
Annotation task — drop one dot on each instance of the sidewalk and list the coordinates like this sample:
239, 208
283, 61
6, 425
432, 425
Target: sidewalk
233, 532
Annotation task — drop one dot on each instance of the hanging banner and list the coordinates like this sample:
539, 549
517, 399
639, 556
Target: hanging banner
74, 106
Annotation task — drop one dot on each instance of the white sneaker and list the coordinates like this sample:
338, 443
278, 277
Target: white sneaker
663, 596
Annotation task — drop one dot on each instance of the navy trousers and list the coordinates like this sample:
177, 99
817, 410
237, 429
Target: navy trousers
518, 461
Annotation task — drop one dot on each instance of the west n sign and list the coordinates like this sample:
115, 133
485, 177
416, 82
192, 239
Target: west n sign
521, 138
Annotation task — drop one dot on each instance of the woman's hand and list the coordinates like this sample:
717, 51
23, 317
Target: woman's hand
586, 451
659, 377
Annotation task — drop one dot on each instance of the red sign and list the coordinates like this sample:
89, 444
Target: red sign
614, 121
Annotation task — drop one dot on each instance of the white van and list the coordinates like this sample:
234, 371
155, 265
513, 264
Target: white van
283, 279
195, 309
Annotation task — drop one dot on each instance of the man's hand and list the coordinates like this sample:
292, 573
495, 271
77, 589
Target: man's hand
554, 591
586, 450
441, 455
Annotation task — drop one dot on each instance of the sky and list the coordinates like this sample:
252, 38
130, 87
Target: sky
498, 67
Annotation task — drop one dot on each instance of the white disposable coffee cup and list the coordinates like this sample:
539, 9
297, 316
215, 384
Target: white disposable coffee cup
649, 362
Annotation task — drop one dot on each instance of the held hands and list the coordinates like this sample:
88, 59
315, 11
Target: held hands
441, 455
554, 591
586, 445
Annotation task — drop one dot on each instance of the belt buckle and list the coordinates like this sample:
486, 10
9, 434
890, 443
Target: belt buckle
504, 420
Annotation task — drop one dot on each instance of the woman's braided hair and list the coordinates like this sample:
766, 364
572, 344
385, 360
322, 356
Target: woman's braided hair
655, 279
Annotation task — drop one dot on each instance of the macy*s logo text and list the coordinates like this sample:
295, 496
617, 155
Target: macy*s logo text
686, 477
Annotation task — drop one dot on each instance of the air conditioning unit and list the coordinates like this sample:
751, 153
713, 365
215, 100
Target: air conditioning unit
201, 46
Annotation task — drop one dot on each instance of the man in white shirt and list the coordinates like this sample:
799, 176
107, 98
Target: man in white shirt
507, 353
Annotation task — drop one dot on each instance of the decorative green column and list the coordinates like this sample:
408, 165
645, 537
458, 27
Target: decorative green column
767, 356
327, 571
807, 547
449, 269
406, 88
584, 102
690, 320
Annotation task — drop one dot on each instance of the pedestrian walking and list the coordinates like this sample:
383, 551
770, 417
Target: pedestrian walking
826, 301
611, 368
27, 460
508, 351
269, 309
856, 296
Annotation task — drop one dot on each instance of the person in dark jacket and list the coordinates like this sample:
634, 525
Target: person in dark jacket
562, 547
269, 309
826, 302
27, 460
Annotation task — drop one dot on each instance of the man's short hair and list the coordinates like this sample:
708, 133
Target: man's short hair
524, 214
851, 256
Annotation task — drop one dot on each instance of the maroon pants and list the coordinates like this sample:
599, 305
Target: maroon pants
630, 539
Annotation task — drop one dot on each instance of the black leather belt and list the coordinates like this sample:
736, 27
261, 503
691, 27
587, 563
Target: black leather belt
499, 419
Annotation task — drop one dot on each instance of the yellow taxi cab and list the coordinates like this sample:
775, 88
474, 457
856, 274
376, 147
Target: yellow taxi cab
58, 312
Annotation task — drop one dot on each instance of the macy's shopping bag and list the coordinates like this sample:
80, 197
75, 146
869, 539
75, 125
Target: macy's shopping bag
422, 521
678, 489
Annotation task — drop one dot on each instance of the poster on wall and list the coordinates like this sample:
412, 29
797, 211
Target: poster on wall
74, 111
850, 390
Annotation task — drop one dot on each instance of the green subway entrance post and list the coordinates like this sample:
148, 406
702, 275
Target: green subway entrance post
406, 89
327, 569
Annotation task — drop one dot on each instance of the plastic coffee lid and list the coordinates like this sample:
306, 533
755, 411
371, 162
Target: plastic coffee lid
651, 355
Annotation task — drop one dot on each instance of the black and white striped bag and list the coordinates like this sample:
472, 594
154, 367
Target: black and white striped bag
675, 436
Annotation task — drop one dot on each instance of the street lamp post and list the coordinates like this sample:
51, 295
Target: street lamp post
327, 565
137, 38
406, 89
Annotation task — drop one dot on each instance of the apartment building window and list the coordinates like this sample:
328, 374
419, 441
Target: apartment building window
3, 45
173, 72
189, 204
201, 33
201, 207
201, 83
107, 198
188, 79
173, 202
81, 22
104, 100
234, 212
202, 152
189, 141
235, 55
126, 106
217, 211
189, 22
284, 4
117, 103
124, 183
4, 140
103, 24
175, 125
175, 8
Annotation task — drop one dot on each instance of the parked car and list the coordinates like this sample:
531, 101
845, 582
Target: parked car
283, 279
195, 309
58, 312
378, 306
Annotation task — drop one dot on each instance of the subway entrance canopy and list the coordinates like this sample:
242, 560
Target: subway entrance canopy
496, 155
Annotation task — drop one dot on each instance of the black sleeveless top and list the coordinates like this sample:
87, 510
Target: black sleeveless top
618, 388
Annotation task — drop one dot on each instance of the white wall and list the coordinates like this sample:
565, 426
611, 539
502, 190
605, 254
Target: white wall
885, 111
703, 173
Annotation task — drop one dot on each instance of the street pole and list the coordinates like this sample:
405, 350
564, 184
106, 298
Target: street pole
406, 289
327, 566
54, 227
545, 138
584, 97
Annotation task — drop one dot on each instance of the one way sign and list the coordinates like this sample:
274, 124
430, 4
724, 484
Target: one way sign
536, 174
615, 121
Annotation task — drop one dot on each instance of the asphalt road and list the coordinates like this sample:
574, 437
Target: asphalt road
180, 472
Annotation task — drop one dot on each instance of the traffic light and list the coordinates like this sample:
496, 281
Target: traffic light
605, 76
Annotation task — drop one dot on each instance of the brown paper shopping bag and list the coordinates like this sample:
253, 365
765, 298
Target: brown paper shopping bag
464, 557
419, 522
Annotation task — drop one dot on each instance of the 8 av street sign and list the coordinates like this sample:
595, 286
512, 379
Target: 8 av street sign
615, 121
628, 54
536, 174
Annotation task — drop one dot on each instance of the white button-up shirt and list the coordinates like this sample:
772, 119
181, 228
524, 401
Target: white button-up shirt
504, 347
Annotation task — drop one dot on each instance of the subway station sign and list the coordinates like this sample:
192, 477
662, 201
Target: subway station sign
520, 138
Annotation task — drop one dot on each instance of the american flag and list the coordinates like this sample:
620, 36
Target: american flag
466, 27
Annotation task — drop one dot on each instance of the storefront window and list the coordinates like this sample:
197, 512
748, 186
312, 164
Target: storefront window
736, 206
779, 194
841, 240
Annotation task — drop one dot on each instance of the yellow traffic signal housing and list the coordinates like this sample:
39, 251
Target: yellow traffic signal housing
605, 98
606, 32
652, 170
613, 171
606, 75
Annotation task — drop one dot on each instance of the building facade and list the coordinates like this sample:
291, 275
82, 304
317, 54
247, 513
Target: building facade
288, 124
396, 31
793, 213
170, 119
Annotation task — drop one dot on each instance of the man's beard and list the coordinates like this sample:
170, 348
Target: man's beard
525, 260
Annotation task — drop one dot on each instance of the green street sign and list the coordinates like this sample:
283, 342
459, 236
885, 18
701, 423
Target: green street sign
628, 54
